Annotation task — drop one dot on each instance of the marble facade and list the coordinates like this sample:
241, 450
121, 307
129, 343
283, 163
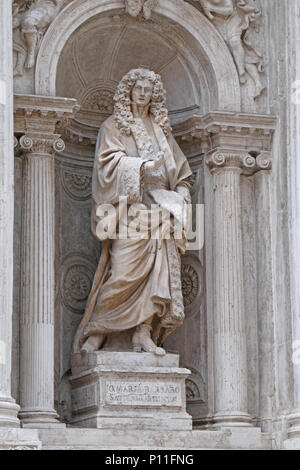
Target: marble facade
232, 75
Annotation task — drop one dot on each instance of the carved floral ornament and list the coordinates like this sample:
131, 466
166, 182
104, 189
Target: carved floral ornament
78, 186
76, 278
192, 283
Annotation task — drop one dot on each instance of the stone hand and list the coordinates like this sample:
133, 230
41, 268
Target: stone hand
155, 164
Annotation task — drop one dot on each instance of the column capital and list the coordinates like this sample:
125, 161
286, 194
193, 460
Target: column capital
37, 144
238, 159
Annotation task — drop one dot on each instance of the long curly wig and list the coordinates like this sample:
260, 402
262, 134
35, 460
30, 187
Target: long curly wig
122, 110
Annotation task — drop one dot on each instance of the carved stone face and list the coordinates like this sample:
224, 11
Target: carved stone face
142, 92
133, 7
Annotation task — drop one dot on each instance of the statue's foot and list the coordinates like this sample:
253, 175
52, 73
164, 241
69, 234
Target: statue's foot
141, 341
92, 344
29, 63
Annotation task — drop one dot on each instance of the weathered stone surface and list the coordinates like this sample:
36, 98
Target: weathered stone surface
210, 55
116, 439
127, 390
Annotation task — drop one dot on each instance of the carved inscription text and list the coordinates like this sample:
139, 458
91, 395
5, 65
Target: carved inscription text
124, 393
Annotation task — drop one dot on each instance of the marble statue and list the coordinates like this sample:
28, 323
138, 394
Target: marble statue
233, 19
30, 21
137, 285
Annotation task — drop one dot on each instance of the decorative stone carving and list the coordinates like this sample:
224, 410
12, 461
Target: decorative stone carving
135, 7
235, 20
31, 19
76, 281
96, 105
192, 391
77, 186
192, 283
233, 130
100, 100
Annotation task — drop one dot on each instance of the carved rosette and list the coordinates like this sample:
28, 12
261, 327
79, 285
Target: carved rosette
192, 283
195, 387
76, 280
192, 390
77, 186
100, 100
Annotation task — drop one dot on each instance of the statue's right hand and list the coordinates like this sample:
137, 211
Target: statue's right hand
155, 164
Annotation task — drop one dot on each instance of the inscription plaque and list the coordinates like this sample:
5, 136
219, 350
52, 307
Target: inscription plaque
146, 393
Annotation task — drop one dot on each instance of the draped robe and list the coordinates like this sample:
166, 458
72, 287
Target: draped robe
137, 278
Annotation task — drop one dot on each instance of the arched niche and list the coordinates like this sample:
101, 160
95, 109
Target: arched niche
84, 54
178, 41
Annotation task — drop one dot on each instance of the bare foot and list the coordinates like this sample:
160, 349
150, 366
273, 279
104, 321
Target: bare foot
29, 61
92, 344
142, 341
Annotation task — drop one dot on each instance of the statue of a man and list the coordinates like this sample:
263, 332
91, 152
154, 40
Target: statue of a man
137, 285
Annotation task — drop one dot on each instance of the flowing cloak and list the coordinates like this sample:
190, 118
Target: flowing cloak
136, 279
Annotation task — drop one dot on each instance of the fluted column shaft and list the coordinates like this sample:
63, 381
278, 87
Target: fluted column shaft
8, 408
37, 312
230, 349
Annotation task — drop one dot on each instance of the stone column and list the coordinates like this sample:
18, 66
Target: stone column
294, 209
37, 118
8, 407
37, 313
230, 355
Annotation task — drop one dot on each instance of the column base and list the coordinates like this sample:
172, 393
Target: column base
9, 413
294, 423
232, 419
293, 441
40, 419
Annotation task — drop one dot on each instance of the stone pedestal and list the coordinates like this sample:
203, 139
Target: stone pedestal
127, 390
